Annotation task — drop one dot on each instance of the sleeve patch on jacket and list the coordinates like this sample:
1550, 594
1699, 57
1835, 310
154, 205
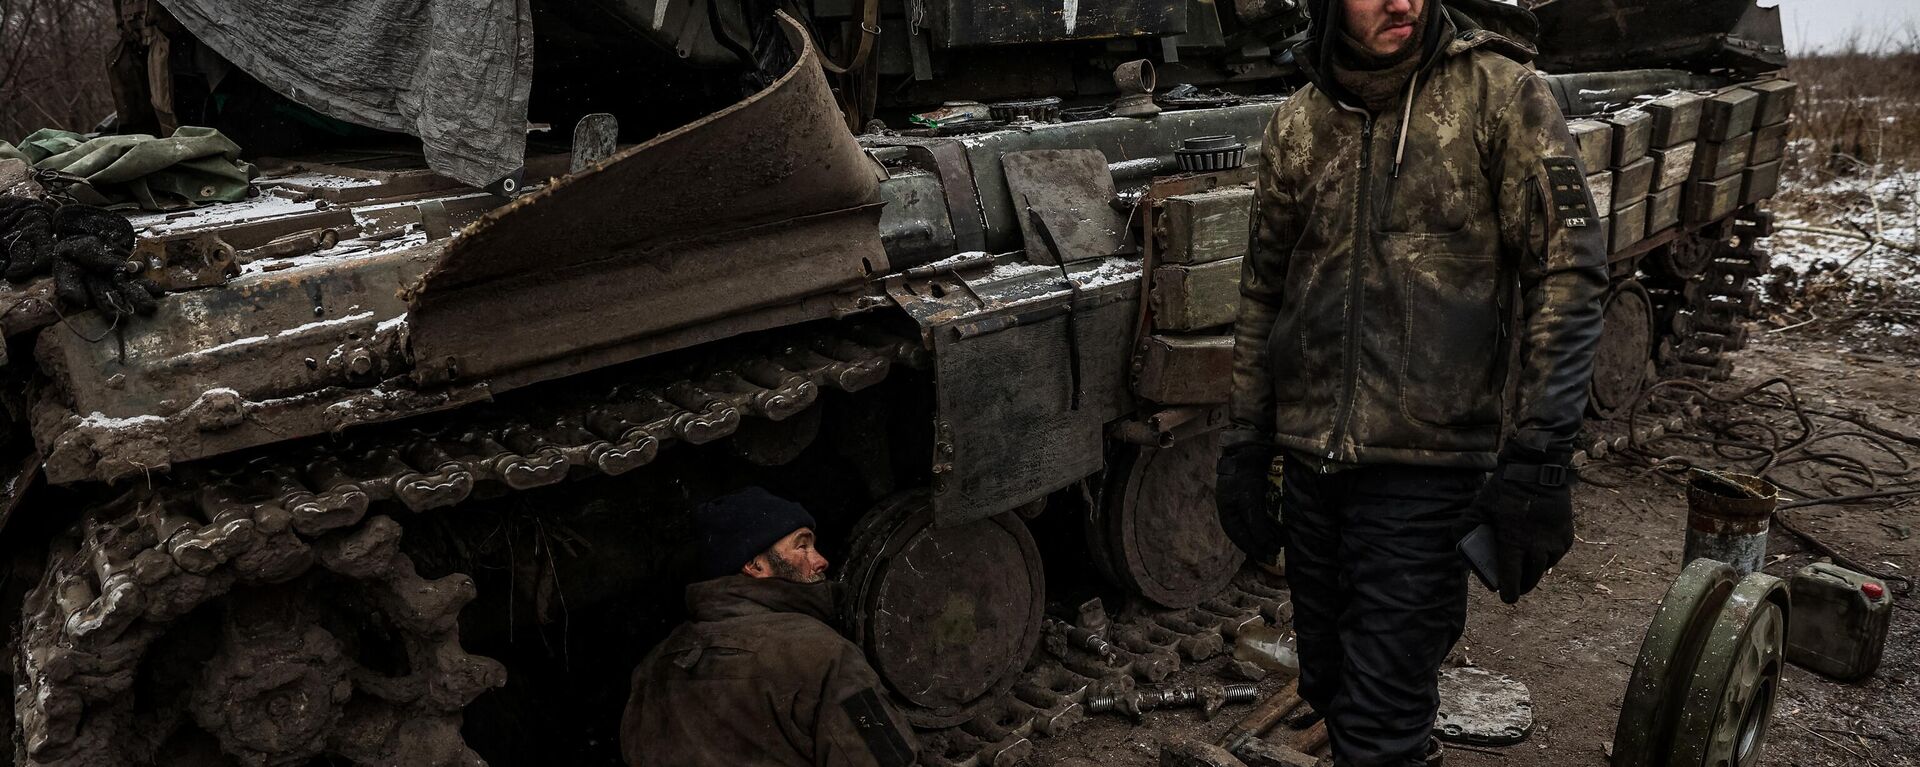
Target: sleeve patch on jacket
1571, 203
870, 718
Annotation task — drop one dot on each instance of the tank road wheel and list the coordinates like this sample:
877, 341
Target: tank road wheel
1729, 705
1656, 692
273, 632
1625, 351
1155, 528
1704, 688
948, 615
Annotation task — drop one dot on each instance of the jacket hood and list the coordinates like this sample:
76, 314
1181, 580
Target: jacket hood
735, 596
1505, 29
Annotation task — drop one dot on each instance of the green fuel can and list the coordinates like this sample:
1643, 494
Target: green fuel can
1839, 624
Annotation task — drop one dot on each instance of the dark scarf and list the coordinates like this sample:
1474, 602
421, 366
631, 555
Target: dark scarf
1381, 81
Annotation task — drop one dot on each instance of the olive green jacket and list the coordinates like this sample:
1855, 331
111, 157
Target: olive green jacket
1385, 286
757, 677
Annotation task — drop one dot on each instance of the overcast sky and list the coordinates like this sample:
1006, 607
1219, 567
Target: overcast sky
1825, 24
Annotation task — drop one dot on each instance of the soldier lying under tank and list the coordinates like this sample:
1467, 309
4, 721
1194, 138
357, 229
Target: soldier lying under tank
1374, 350
757, 675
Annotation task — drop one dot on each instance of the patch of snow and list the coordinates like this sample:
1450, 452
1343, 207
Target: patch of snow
303, 329
1110, 271
99, 420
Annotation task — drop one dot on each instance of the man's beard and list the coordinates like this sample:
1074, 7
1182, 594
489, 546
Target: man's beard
786, 571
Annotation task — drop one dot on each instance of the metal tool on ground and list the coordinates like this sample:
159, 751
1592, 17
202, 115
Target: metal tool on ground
1727, 518
1209, 698
1708, 675
1840, 620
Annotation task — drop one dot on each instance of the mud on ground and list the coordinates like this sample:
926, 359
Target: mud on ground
1574, 641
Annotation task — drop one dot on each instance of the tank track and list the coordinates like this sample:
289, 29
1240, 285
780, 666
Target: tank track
1703, 321
1082, 668
279, 687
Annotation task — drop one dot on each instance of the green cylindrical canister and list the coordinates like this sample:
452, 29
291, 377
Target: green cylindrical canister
1839, 624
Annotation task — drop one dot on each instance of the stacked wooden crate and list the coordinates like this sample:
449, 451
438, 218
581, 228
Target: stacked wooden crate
1202, 238
1684, 158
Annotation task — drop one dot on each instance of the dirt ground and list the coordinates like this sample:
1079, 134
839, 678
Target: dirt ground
1574, 641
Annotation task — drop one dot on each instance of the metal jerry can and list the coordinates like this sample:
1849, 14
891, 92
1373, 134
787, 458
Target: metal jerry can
1839, 624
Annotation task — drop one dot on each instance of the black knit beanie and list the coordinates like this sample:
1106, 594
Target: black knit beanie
735, 528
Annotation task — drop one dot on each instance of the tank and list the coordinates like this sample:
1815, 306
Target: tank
399, 472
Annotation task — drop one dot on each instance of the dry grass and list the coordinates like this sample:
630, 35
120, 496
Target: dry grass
1854, 166
1859, 106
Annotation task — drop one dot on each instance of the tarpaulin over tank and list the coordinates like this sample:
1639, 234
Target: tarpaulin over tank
453, 72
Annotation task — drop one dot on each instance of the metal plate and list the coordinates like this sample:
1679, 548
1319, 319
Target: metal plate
1626, 346
1730, 700
1482, 707
948, 616
1008, 431
1062, 198
1161, 537
1664, 670
762, 205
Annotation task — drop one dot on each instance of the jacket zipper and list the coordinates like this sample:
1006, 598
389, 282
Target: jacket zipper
1363, 227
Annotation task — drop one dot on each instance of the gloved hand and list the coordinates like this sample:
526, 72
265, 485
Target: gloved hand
92, 265
1241, 498
87, 249
26, 236
1528, 501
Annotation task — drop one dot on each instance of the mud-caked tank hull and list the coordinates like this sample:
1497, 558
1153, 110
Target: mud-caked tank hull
399, 471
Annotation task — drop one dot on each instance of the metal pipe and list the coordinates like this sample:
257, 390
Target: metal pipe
1727, 519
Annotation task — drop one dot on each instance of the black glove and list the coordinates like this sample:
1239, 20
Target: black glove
26, 236
1528, 502
1241, 496
92, 265
87, 249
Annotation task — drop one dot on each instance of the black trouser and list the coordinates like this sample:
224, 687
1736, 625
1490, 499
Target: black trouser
1380, 596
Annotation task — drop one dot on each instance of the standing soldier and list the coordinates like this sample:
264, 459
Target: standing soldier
1419, 207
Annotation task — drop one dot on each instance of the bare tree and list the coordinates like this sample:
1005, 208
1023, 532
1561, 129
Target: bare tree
53, 64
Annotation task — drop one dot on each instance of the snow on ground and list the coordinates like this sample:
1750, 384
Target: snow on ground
1828, 276
1879, 200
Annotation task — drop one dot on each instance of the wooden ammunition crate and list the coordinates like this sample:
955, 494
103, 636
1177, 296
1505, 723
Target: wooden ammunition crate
1676, 119
1186, 370
1208, 226
1719, 159
1769, 143
1595, 142
1629, 226
1192, 297
1776, 101
1632, 183
1663, 209
1601, 185
1714, 199
1632, 132
1760, 182
1728, 114
1672, 165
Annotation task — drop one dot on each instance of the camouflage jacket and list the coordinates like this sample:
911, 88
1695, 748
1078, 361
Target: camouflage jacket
1384, 286
758, 677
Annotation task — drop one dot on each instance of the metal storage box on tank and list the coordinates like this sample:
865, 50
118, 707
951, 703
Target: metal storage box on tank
1840, 618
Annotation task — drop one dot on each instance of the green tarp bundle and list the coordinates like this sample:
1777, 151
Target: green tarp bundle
194, 165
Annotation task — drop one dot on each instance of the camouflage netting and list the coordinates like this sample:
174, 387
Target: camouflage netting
453, 72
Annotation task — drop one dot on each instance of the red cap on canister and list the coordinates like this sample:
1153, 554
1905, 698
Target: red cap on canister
1873, 590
